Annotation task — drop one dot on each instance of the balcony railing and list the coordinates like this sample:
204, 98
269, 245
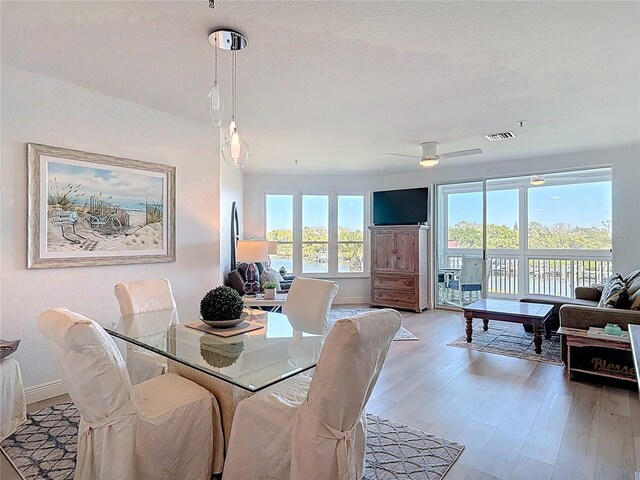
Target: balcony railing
544, 275
560, 277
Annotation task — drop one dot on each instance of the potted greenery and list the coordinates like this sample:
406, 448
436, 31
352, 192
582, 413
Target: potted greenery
269, 288
222, 307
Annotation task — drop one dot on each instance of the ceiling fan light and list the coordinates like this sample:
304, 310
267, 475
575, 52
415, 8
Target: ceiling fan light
430, 161
537, 181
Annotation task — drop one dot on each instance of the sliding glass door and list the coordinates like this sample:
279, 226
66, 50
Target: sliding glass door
546, 233
460, 239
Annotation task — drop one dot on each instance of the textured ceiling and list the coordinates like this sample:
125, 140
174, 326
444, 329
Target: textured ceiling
336, 84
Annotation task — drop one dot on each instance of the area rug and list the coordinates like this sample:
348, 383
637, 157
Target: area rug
510, 339
45, 448
337, 313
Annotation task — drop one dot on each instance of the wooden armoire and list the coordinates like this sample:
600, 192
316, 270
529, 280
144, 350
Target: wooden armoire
399, 267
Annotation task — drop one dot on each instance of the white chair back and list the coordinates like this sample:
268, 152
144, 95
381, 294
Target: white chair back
471, 271
144, 296
308, 304
331, 422
349, 365
89, 363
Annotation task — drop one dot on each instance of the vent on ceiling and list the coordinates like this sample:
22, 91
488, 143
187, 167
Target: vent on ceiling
496, 137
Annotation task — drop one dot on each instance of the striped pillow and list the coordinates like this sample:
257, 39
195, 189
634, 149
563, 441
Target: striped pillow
615, 294
633, 286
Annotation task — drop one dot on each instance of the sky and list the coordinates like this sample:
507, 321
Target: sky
314, 211
584, 205
125, 188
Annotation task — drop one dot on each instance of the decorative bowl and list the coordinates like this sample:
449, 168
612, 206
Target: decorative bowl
612, 329
225, 323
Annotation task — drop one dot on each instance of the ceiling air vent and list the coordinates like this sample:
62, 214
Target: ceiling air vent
496, 137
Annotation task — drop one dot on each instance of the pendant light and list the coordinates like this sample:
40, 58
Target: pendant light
215, 96
234, 151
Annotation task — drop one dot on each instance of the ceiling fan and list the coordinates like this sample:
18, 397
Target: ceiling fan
430, 158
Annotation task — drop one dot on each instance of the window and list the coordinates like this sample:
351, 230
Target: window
464, 217
350, 233
279, 226
571, 216
318, 234
546, 236
503, 210
315, 234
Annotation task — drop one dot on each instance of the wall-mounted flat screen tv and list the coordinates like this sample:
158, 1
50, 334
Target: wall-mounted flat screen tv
401, 207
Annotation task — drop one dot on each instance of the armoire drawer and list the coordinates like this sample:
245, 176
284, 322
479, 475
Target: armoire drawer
394, 282
394, 298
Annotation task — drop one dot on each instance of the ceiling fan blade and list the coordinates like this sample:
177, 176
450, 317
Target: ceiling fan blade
403, 155
461, 153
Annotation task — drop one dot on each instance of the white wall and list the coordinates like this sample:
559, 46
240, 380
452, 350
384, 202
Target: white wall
352, 290
231, 189
625, 162
42, 110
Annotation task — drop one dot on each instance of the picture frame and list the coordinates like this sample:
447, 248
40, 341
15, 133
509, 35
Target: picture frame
88, 209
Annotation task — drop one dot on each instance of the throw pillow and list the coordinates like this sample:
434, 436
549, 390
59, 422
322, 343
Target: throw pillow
269, 276
7, 347
277, 273
633, 286
615, 294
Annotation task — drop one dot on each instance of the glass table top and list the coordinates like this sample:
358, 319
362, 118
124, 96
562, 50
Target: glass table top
252, 360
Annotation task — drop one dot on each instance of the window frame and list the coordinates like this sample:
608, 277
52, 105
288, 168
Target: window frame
525, 254
333, 231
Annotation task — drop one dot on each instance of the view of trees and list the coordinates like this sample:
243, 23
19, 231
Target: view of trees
350, 253
558, 236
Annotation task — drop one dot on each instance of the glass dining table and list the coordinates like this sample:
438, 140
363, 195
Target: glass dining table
232, 368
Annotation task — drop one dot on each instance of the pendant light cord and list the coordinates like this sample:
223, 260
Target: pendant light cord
215, 75
233, 84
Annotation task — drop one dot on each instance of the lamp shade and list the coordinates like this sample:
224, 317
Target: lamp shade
252, 250
273, 248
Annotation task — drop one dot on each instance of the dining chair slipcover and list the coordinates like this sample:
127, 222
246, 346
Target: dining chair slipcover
165, 428
308, 304
141, 297
302, 428
13, 408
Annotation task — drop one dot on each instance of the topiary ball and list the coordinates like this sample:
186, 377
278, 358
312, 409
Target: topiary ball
221, 303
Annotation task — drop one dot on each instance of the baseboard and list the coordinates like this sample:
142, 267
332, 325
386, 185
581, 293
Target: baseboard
44, 391
351, 300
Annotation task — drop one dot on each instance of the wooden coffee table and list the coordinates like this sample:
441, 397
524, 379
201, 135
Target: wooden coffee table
534, 314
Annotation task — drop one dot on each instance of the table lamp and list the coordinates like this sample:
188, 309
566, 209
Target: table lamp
250, 251
273, 250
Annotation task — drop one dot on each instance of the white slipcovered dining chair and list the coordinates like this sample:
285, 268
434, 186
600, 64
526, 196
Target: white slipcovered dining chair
308, 304
316, 428
13, 407
165, 428
145, 296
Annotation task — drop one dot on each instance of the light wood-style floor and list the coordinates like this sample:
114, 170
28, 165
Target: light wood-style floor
518, 419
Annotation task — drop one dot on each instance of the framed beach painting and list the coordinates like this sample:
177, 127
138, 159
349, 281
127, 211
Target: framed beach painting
87, 209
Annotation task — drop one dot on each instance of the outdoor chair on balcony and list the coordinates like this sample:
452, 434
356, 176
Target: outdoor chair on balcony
468, 286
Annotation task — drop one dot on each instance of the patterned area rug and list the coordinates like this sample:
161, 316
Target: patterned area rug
338, 313
396, 451
45, 448
510, 339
